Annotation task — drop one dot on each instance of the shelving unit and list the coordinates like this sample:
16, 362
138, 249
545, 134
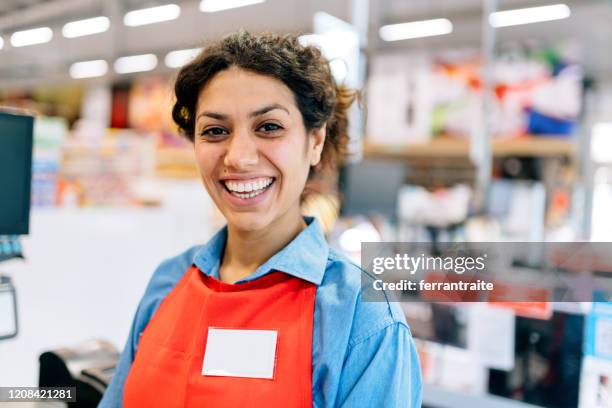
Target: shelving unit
176, 162
532, 146
445, 161
438, 397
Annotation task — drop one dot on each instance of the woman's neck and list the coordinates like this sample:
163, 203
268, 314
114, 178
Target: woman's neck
245, 251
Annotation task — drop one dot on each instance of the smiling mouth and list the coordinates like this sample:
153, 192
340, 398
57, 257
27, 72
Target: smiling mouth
248, 189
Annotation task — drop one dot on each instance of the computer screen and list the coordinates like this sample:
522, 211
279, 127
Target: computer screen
15, 172
371, 186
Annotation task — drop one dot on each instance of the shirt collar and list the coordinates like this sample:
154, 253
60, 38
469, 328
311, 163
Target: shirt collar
305, 257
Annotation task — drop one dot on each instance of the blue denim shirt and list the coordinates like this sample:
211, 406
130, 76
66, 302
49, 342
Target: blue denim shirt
363, 354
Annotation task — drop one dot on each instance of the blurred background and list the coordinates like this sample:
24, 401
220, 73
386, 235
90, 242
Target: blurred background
481, 120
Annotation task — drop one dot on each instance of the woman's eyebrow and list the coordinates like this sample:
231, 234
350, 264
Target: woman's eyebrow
213, 115
258, 112
267, 109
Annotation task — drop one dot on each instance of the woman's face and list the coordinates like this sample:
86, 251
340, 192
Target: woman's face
252, 149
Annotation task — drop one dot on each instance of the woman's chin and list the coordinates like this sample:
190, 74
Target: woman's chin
247, 222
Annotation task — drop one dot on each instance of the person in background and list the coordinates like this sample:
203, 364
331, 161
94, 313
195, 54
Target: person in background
265, 314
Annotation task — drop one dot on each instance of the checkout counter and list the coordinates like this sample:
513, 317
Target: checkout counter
88, 366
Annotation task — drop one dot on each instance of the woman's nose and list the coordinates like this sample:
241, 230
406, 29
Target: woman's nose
241, 152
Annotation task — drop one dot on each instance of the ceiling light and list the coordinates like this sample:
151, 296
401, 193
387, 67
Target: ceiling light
601, 142
1, 43
416, 29
135, 63
339, 69
85, 27
178, 58
88, 69
310, 39
210, 6
529, 15
33, 36
151, 15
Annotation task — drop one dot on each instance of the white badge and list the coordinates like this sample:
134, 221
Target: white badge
240, 353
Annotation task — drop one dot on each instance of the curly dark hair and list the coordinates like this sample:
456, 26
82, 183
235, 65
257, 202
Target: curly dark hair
281, 56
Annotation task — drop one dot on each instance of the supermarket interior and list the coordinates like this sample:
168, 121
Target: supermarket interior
486, 121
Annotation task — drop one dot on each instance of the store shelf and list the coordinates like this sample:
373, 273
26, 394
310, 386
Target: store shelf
438, 397
549, 146
176, 162
180, 163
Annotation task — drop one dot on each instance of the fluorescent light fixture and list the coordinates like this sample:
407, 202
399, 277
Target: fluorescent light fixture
88, 69
135, 63
32, 36
416, 29
151, 15
601, 142
211, 6
529, 15
1, 43
333, 45
85, 27
339, 69
310, 39
178, 58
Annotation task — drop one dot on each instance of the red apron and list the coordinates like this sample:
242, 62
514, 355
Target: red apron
167, 368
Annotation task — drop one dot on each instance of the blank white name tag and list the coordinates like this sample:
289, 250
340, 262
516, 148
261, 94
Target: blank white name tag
240, 353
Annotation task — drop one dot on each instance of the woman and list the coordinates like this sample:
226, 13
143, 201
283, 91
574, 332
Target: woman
264, 314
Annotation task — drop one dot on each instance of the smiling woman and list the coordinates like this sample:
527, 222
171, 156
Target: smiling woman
263, 140
263, 110
265, 313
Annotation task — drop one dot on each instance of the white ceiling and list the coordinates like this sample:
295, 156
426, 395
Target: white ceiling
11, 6
589, 26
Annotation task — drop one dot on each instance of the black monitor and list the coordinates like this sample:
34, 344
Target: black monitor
16, 139
371, 187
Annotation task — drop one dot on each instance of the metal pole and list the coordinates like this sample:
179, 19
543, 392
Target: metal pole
481, 142
586, 167
360, 19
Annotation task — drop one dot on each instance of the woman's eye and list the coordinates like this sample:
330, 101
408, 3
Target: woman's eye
214, 132
269, 127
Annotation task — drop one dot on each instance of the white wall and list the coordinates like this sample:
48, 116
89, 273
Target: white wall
86, 270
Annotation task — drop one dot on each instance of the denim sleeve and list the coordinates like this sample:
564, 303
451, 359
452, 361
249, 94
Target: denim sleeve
382, 370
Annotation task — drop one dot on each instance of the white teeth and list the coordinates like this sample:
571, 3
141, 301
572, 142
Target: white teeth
248, 189
247, 195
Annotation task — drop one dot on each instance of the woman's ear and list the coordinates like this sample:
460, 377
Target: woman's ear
317, 143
